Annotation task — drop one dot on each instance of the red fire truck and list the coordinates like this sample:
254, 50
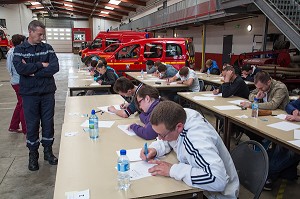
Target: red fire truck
4, 44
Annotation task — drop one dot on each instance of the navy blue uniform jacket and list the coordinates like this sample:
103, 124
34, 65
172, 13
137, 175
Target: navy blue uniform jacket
42, 80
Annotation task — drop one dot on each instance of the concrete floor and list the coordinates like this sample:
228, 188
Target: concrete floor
17, 182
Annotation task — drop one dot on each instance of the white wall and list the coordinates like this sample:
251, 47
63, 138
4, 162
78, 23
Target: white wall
103, 25
242, 39
81, 24
17, 18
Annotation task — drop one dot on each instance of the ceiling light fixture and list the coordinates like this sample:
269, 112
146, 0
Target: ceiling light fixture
108, 8
249, 28
114, 2
68, 5
104, 12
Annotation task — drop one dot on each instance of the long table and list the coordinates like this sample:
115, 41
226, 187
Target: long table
255, 125
160, 84
216, 80
87, 164
75, 84
79, 107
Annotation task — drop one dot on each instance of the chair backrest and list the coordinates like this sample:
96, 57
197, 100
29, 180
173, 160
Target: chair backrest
252, 164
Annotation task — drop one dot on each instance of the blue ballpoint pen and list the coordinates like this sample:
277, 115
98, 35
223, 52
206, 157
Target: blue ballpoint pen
146, 150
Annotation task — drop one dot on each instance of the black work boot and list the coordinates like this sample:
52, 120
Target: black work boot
33, 160
48, 155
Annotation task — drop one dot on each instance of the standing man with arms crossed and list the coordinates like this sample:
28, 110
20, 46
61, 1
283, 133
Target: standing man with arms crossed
36, 62
204, 161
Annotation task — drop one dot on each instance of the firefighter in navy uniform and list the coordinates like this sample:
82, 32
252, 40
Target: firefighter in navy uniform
36, 62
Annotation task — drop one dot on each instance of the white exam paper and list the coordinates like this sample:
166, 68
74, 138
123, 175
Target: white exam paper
281, 116
154, 80
216, 80
124, 128
94, 84
105, 108
229, 107
101, 124
285, 126
212, 95
139, 170
297, 134
242, 116
78, 194
203, 98
237, 102
295, 142
132, 154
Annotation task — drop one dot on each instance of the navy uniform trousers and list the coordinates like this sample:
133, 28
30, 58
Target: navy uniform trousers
39, 108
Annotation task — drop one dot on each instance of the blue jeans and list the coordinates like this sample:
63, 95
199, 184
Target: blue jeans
282, 162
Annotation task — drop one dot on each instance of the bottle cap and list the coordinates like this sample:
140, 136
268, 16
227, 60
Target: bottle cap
123, 152
255, 99
93, 112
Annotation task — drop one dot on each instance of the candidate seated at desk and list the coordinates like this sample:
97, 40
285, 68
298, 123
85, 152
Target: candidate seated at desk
204, 161
107, 75
283, 162
233, 84
271, 94
125, 88
166, 71
146, 99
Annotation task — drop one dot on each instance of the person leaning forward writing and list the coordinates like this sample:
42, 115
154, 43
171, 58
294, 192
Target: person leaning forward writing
204, 161
36, 63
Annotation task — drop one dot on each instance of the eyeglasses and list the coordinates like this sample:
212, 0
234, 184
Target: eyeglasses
163, 136
139, 101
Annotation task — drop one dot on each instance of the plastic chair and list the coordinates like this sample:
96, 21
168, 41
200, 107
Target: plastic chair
252, 164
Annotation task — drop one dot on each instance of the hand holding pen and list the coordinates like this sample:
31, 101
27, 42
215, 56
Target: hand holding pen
151, 153
123, 106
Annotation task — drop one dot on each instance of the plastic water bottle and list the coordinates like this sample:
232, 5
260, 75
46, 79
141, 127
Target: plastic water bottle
123, 171
142, 73
254, 108
93, 125
208, 73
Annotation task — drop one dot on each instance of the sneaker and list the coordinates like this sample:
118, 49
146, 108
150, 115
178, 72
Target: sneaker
268, 185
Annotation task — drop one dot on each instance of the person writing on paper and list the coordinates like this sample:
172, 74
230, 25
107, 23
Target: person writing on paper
126, 88
187, 77
212, 66
166, 71
233, 84
249, 71
107, 76
293, 110
204, 161
272, 94
146, 100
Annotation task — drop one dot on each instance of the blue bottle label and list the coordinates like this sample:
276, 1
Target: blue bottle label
123, 167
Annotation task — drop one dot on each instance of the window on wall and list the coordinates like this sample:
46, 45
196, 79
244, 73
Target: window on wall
58, 34
3, 23
173, 50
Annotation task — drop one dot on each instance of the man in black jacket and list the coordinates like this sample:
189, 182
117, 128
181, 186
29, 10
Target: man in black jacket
36, 62
233, 84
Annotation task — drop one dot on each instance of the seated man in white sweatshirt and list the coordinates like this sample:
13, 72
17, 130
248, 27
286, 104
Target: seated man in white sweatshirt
204, 161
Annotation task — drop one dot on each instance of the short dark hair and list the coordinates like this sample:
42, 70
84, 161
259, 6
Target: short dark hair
229, 67
157, 63
184, 71
262, 76
100, 65
103, 60
94, 63
17, 39
246, 67
34, 24
168, 113
123, 85
161, 67
149, 63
